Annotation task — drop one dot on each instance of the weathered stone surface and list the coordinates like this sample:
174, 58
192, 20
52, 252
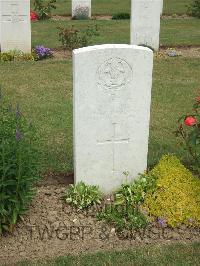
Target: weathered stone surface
15, 25
112, 95
81, 7
161, 7
145, 23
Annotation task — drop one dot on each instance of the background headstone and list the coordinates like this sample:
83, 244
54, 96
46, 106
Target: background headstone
0, 24
112, 95
161, 7
15, 25
81, 7
145, 23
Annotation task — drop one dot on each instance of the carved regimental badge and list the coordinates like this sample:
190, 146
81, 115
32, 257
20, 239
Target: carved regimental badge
115, 73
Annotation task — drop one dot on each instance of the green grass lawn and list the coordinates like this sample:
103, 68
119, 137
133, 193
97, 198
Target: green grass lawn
110, 7
173, 32
176, 6
173, 255
99, 7
44, 91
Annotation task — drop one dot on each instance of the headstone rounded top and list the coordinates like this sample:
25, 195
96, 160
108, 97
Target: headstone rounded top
111, 46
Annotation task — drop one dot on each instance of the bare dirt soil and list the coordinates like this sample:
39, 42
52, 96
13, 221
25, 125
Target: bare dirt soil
109, 17
64, 18
182, 51
190, 52
51, 229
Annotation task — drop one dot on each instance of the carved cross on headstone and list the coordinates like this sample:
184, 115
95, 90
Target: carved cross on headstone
113, 141
14, 16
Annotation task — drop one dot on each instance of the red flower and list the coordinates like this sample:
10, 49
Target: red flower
190, 121
34, 16
198, 99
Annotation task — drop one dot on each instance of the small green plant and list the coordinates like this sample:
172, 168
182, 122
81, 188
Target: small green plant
123, 217
18, 164
81, 13
189, 134
134, 194
44, 8
194, 9
73, 38
16, 55
124, 212
82, 196
121, 16
38, 53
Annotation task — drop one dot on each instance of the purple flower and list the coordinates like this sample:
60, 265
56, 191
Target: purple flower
161, 222
18, 112
18, 135
43, 52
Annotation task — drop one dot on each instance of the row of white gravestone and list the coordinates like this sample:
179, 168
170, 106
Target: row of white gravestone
79, 6
15, 26
145, 20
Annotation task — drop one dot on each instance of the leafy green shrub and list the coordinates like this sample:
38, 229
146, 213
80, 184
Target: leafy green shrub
82, 196
194, 9
121, 16
73, 38
44, 8
18, 164
134, 194
189, 134
38, 53
177, 195
124, 212
16, 55
123, 216
82, 13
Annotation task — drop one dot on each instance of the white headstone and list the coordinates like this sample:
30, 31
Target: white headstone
0, 24
161, 7
145, 23
81, 7
112, 95
15, 25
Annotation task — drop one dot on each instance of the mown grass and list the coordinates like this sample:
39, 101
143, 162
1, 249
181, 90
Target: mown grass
44, 91
176, 254
173, 32
99, 7
176, 6
110, 7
